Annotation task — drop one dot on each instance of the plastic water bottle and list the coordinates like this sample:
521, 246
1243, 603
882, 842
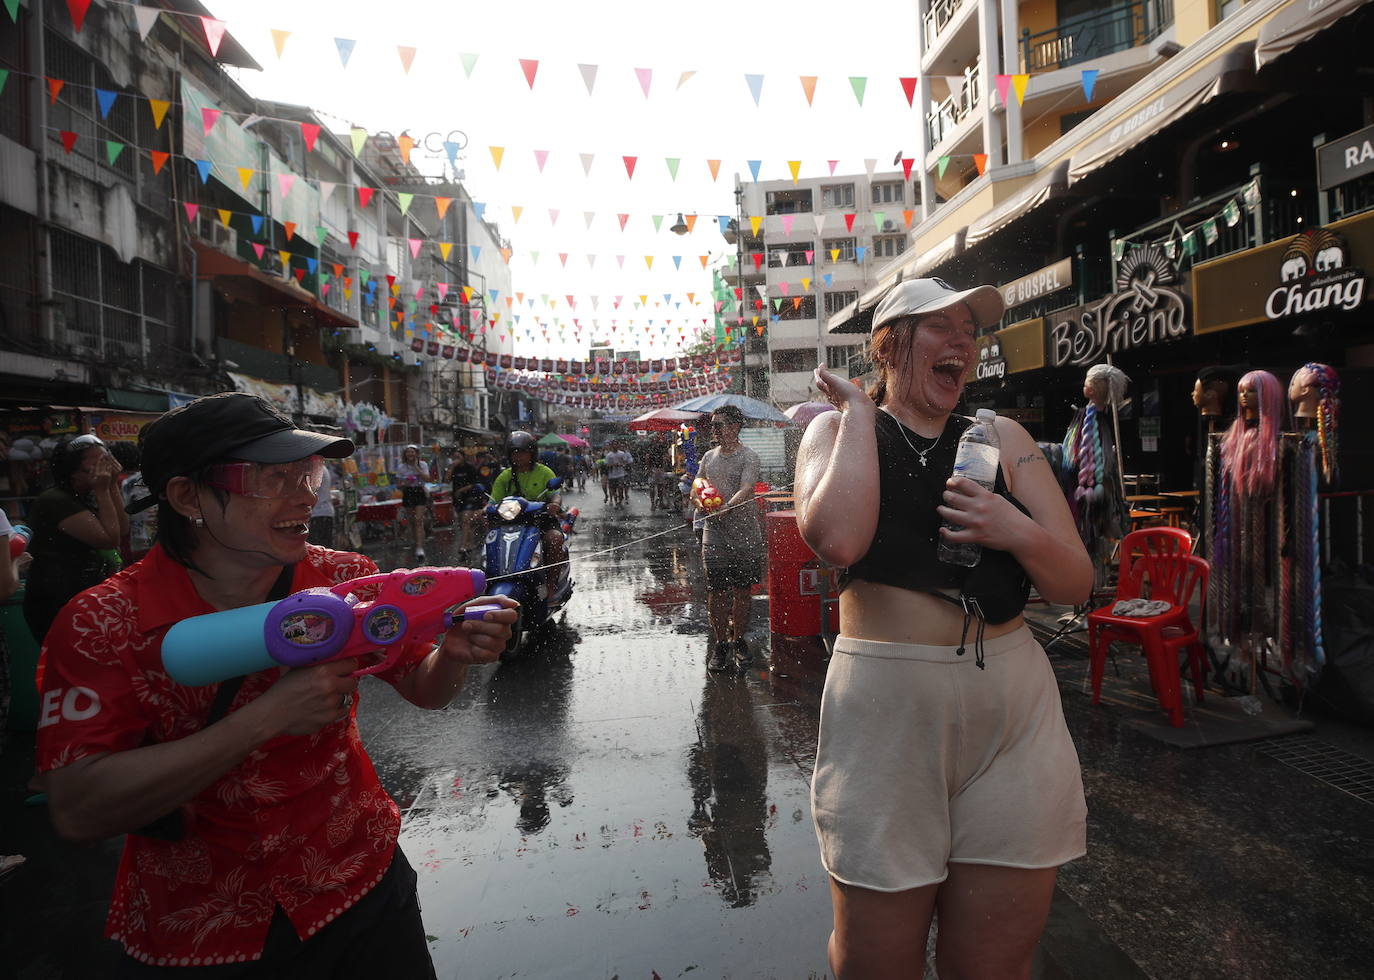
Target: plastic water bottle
976, 459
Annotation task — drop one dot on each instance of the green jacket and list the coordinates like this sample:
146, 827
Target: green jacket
533, 485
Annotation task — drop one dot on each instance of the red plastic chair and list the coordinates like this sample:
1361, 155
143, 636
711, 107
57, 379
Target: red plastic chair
1172, 576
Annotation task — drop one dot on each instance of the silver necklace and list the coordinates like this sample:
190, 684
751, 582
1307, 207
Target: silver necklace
920, 454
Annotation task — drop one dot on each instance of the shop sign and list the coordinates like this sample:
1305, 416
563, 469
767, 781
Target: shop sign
1345, 159
1316, 275
1146, 309
1048, 280
118, 426
991, 363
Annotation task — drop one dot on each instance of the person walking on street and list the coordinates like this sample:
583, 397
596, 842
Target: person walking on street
618, 463
603, 473
470, 502
413, 473
76, 524
258, 840
732, 544
945, 777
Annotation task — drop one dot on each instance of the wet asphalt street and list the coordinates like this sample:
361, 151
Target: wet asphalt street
603, 807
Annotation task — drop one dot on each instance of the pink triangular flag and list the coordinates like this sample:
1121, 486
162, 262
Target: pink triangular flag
286, 182
1003, 84
541, 157
191, 211
208, 118
646, 77
832, 164
214, 33
259, 248
530, 66
407, 57
787, 220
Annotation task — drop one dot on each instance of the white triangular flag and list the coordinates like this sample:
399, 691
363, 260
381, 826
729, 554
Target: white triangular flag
820, 223
588, 76
870, 165
146, 18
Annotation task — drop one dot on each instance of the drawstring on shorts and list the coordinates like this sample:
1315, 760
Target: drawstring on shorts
972, 611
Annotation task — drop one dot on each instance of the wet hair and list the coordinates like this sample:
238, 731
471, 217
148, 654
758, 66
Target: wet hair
67, 457
1249, 454
730, 414
127, 454
1323, 377
888, 347
174, 531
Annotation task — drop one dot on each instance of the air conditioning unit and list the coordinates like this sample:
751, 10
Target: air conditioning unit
889, 225
217, 233
350, 335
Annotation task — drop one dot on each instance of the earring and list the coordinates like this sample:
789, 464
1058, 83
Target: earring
197, 521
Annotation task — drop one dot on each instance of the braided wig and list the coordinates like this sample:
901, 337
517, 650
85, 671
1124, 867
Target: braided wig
1323, 377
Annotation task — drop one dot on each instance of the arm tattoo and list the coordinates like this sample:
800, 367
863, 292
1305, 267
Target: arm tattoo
1028, 459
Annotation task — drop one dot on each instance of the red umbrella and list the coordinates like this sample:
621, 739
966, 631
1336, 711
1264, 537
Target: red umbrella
663, 420
803, 414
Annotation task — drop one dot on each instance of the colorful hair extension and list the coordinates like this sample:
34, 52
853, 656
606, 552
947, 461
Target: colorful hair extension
1328, 386
1116, 381
1249, 454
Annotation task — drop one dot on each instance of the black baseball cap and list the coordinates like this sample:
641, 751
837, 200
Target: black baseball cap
232, 425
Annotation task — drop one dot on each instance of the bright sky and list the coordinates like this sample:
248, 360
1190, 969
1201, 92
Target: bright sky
711, 115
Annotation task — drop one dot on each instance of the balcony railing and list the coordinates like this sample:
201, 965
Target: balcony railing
1105, 32
940, 121
938, 17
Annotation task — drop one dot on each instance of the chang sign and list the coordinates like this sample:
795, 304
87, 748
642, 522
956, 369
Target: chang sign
1316, 275
1145, 309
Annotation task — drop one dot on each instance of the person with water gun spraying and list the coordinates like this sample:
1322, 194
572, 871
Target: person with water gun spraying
254, 789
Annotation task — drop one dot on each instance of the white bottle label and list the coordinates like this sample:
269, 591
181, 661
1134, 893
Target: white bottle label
977, 462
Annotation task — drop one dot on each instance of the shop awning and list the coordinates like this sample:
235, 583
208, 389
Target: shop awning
857, 317
1298, 22
284, 396
211, 262
1142, 119
1045, 187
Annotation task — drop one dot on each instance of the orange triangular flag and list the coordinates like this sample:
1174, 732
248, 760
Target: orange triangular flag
980, 160
405, 144
691, 222
441, 205
715, 168
290, 227
809, 87
907, 216
704, 260
279, 39
407, 56
54, 87
159, 159
506, 253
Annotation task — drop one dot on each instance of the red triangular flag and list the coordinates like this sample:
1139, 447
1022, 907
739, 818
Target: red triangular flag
299, 274
68, 140
352, 239
907, 163
311, 132
623, 218
630, 165
529, 66
849, 222
78, 9
159, 160
909, 87
365, 196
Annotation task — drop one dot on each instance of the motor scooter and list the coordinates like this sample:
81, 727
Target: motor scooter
514, 563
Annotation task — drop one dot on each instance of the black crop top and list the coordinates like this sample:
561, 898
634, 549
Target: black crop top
903, 550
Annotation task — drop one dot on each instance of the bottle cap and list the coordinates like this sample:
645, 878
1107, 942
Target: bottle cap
986, 415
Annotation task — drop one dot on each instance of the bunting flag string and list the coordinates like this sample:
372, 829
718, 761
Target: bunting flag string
1182, 241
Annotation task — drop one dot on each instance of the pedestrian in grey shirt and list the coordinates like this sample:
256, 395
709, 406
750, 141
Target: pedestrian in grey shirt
732, 547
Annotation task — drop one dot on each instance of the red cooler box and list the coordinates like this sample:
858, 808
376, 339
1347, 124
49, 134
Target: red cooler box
796, 578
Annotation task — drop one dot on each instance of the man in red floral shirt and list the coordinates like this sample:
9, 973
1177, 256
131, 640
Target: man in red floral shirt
261, 842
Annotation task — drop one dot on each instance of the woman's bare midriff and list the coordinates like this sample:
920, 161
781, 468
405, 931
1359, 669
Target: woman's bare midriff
870, 611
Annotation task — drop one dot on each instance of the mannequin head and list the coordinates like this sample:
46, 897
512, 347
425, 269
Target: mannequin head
1315, 393
1250, 451
1105, 385
1214, 391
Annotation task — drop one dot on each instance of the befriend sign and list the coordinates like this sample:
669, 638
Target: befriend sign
1146, 309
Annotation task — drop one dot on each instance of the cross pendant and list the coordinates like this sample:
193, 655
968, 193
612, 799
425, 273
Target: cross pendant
921, 458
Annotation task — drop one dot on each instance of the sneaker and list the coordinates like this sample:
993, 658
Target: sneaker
419, 554
743, 658
720, 658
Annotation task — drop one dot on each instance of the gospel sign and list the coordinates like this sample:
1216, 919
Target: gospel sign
1145, 309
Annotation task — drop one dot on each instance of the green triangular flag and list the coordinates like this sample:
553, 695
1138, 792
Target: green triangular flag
878, 217
469, 61
4, 74
405, 200
364, 276
777, 305
1190, 244
13, 7
322, 233
534, 260
859, 83
672, 161
944, 165
113, 148
1231, 212
1118, 248
359, 138
658, 222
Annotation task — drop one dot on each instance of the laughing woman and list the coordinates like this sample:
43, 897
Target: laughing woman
945, 777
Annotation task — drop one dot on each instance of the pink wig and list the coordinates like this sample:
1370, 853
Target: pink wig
1250, 455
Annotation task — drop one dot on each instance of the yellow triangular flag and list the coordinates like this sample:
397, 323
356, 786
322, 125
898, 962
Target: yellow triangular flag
159, 107
834, 255
444, 249
643, 299
649, 261
795, 167
806, 285
516, 211
754, 222
497, 152
245, 176
224, 216
285, 261
1019, 82
279, 39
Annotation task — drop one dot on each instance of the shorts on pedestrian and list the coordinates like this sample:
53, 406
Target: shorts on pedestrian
924, 759
414, 497
734, 573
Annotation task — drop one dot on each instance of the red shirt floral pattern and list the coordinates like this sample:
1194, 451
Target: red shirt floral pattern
302, 822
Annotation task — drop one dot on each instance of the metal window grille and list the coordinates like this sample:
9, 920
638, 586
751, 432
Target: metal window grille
889, 192
886, 246
845, 247
838, 357
838, 299
837, 196
14, 100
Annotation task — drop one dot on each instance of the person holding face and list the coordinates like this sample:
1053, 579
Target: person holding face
253, 796
945, 776
73, 523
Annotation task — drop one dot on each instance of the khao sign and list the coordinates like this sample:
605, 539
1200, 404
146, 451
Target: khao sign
1316, 275
1146, 309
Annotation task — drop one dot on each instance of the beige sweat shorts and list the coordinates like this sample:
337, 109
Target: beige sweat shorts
924, 759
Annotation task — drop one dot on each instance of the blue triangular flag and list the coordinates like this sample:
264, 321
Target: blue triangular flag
827, 278
345, 47
493, 293
452, 150
479, 209
724, 220
754, 168
755, 88
1089, 80
204, 166
476, 251
311, 265
107, 101
257, 223
677, 261
860, 251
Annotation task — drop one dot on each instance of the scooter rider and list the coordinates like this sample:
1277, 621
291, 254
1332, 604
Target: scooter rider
530, 479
